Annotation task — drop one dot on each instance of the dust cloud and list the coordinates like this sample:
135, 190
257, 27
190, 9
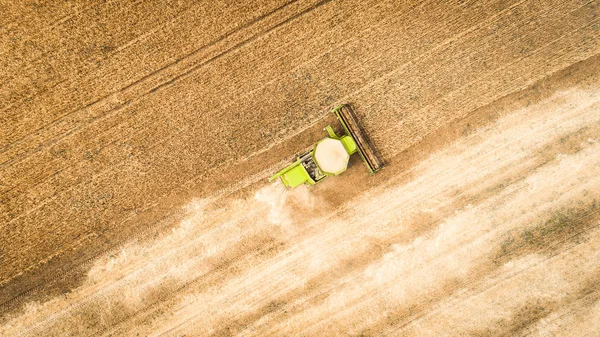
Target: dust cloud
274, 196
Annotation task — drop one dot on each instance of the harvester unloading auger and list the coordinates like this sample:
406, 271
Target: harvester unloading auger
329, 157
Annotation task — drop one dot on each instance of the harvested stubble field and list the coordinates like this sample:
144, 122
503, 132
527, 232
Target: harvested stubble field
137, 136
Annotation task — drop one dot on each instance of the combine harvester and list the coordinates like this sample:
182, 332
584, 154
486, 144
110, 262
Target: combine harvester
329, 157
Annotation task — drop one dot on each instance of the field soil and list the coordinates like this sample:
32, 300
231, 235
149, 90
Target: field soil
136, 139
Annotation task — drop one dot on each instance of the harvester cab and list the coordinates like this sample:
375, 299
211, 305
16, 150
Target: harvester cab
330, 155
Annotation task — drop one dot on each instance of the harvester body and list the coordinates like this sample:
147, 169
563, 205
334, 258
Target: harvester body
330, 155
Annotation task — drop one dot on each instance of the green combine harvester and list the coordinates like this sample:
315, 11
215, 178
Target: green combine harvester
329, 157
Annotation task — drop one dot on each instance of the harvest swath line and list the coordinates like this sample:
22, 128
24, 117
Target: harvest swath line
124, 46
239, 45
498, 70
430, 53
145, 77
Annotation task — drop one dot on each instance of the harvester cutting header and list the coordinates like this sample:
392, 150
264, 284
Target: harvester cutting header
329, 157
